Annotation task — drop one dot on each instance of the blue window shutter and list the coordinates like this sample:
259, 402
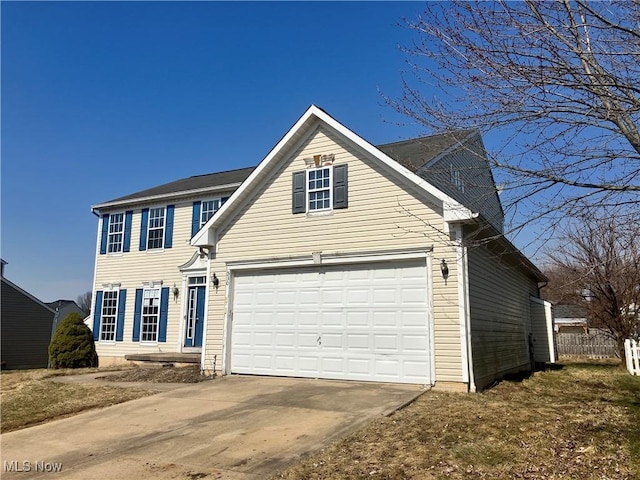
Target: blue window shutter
144, 224
168, 228
97, 312
104, 238
195, 218
299, 201
122, 300
164, 307
128, 218
223, 200
137, 315
340, 190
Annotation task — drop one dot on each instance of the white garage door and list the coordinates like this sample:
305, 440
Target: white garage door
361, 322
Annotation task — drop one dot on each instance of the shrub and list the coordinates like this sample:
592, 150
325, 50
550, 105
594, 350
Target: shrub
72, 344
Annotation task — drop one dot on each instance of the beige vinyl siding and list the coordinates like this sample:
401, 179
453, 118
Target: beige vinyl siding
381, 216
131, 269
479, 193
499, 303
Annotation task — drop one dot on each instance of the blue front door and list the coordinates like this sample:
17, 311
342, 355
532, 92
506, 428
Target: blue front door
195, 316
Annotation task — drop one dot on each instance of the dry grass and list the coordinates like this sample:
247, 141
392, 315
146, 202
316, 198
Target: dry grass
159, 375
28, 397
580, 422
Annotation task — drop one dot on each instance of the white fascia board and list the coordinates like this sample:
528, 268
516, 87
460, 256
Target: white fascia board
202, 238
166, 196
460, 212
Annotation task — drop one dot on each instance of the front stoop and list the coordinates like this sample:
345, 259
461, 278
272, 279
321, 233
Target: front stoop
164, 359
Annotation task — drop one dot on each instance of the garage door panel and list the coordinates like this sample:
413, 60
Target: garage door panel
358, 322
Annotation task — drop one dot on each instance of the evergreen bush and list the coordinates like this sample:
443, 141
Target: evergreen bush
72, 344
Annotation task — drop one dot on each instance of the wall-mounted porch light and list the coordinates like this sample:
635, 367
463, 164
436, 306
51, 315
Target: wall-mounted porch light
444, 268
175, 292
216, 281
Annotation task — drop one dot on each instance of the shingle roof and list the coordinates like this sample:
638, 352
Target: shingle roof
410, 153
415, 152
196, 182
569, 311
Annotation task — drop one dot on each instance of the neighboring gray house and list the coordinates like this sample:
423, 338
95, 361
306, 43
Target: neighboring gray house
570, 318
62, 308
26, 328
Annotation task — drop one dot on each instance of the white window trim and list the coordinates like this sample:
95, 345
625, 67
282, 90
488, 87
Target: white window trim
308, 191
212, 199
158, 288
164, 228
119, 252
115, 316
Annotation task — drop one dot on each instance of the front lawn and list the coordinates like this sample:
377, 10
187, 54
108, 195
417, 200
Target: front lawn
578, 422
28, 397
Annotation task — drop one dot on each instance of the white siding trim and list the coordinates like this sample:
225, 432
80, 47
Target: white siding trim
205, 326
432, 341
95, 272
335, 258
464, 312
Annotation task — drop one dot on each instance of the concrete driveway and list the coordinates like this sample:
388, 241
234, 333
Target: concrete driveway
235, 427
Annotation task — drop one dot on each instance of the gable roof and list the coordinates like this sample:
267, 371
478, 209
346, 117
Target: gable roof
416, 152
453, 210
196, 184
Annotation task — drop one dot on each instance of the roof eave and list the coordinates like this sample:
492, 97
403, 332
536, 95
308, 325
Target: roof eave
165, 196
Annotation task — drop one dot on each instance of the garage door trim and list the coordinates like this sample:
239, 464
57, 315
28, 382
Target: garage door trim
244, 267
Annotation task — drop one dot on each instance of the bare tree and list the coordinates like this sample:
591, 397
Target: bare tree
84, 302
599, 264
558, 81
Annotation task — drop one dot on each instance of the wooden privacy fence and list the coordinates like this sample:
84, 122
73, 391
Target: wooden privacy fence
632, 352
595, 344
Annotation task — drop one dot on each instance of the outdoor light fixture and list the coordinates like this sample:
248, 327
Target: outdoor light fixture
175, 292
444, 268
216, 281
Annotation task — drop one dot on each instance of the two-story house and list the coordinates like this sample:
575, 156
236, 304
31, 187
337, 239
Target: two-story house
332, 258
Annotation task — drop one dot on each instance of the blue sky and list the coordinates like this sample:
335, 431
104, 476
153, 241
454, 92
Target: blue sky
104, 99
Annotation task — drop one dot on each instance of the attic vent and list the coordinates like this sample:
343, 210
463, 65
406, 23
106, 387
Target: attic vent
456, 178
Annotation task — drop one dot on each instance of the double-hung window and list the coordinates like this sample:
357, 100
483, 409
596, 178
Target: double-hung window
150, 315
155, 236
319, 188
116, 233
208, 208
109, 316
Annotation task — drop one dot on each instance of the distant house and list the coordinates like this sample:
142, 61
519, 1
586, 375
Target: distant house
26, 328
570, 318
62, 308
332, 258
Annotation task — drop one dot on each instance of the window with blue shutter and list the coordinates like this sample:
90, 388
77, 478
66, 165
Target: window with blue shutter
144, 225
195, 218
104, 237
122, 299
168, 229
97, 311
164, 310
137, 315
128, 219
